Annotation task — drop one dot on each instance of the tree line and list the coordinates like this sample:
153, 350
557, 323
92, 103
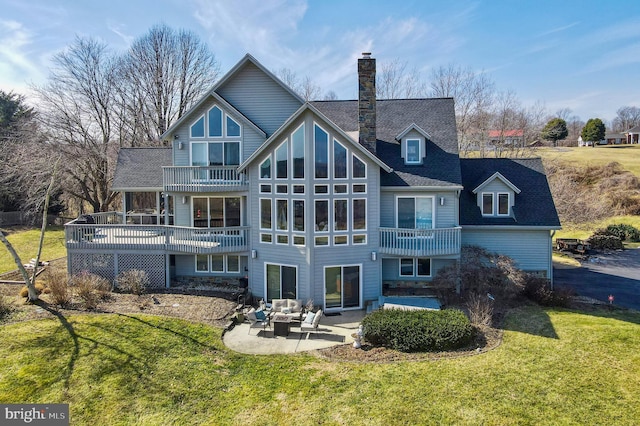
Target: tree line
96, 101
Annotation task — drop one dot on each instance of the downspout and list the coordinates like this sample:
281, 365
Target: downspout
553, 233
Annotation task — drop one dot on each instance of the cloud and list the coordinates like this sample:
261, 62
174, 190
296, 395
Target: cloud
118, 29
558, 29
15, 67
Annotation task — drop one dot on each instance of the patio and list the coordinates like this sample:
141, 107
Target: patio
333, 330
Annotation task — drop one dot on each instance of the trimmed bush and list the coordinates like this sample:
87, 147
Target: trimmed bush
133, 281
539, 290
90, 289
418, 331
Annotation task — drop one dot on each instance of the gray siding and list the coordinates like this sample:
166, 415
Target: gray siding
391, 269
495, 186
259, 98
530, 249
446, 216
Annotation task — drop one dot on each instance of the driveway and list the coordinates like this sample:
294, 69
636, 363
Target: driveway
616, 273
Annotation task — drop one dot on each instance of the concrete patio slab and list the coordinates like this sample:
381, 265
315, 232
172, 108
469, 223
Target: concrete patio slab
333, 330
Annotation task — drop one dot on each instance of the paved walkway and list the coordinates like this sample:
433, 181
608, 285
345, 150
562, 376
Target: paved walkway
333, 330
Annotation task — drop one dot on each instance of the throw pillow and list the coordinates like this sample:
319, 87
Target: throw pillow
260, 316
309, 318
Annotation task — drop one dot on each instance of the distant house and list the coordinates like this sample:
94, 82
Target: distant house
612, 138
506, 137
632, 135
330, 200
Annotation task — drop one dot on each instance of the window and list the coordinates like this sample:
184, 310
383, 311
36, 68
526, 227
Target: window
415, 212
415, 267
340, 215
297, 152
413, 155
298, 189
321, 152
266, 238
298, 215
322, 241
282, 214
322, 216
197, 128
359, 168
340, 189
487, 204
503, 204
339, 160
215, 122
282, 189
265, 189
342, 286
359, 239
216, 212
265, 213
217, 263
359, 188
282, 160
340, 240
265, 169
233, 128
298, 240
359, 214
281, 281
282, 239
215, 154
321, 189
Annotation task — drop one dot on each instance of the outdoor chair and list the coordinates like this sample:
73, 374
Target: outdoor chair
258, 319
311, 322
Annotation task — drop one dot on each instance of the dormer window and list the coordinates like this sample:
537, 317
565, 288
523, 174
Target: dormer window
495, 204
414, 155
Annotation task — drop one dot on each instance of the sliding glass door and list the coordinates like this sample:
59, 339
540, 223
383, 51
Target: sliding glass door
342, 287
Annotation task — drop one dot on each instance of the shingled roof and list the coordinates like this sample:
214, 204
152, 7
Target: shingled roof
436, 116
140, 168
533, 205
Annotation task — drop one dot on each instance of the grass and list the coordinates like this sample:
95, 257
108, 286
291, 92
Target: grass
627, 155
554, 367
585, 230
25, 242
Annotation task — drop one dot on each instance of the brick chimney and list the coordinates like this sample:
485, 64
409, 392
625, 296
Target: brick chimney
367, 101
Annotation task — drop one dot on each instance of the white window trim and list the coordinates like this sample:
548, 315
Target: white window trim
260, 213
209, 141
347, 214
266, 242
357, 234
498, 204
222, 124
358, 193
269, 157
366, 168
414, 271
315, 221
266, 294
366, 221
225, 264
293, 216
315, 237
293, 241
275, 162
360, 285
266, 185
346, 160
406, 153
226, 132
224, 211
304, 158
493, 204
328, 151
433, 208
275, 212
282, 234
204, 124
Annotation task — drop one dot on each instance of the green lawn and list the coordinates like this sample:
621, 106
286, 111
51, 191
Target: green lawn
553, 367
25, 242
627, 155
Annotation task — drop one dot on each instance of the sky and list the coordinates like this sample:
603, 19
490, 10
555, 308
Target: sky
578, 54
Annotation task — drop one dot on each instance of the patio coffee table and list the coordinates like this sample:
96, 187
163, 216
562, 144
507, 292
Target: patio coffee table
281, 325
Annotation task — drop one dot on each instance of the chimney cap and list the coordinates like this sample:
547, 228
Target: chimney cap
366, 55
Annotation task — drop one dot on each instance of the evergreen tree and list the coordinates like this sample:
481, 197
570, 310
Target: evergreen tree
593, 131
555, 130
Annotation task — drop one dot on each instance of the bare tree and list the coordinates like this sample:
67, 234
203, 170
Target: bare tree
76, 110
395, 81
164, 73
473, 94
626, 118
304, 87
563, 113
330, 96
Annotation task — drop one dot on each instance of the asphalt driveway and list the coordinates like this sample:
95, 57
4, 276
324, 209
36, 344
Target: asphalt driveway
616, 273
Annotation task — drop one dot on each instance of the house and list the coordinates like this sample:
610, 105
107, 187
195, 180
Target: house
506, 137
613, 138
632, 135
331, 200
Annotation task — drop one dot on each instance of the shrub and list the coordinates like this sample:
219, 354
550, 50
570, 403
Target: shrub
5, 307
133, 281
480, 309
421, 330
58, 285
622, 231
605, 242
24, 291
90, 289
539, 290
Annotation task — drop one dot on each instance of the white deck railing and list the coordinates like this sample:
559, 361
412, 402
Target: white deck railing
420, 242
202, 179
173, 239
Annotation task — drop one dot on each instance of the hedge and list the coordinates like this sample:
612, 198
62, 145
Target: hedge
418, 331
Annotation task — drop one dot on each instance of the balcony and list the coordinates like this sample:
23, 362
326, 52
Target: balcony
203, 179
420, 242
170, 239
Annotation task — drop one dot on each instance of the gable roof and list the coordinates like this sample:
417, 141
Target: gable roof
506, 133
496, 175
140, 169
533, 206
435, 116
634, 129
412, 126
293, 118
